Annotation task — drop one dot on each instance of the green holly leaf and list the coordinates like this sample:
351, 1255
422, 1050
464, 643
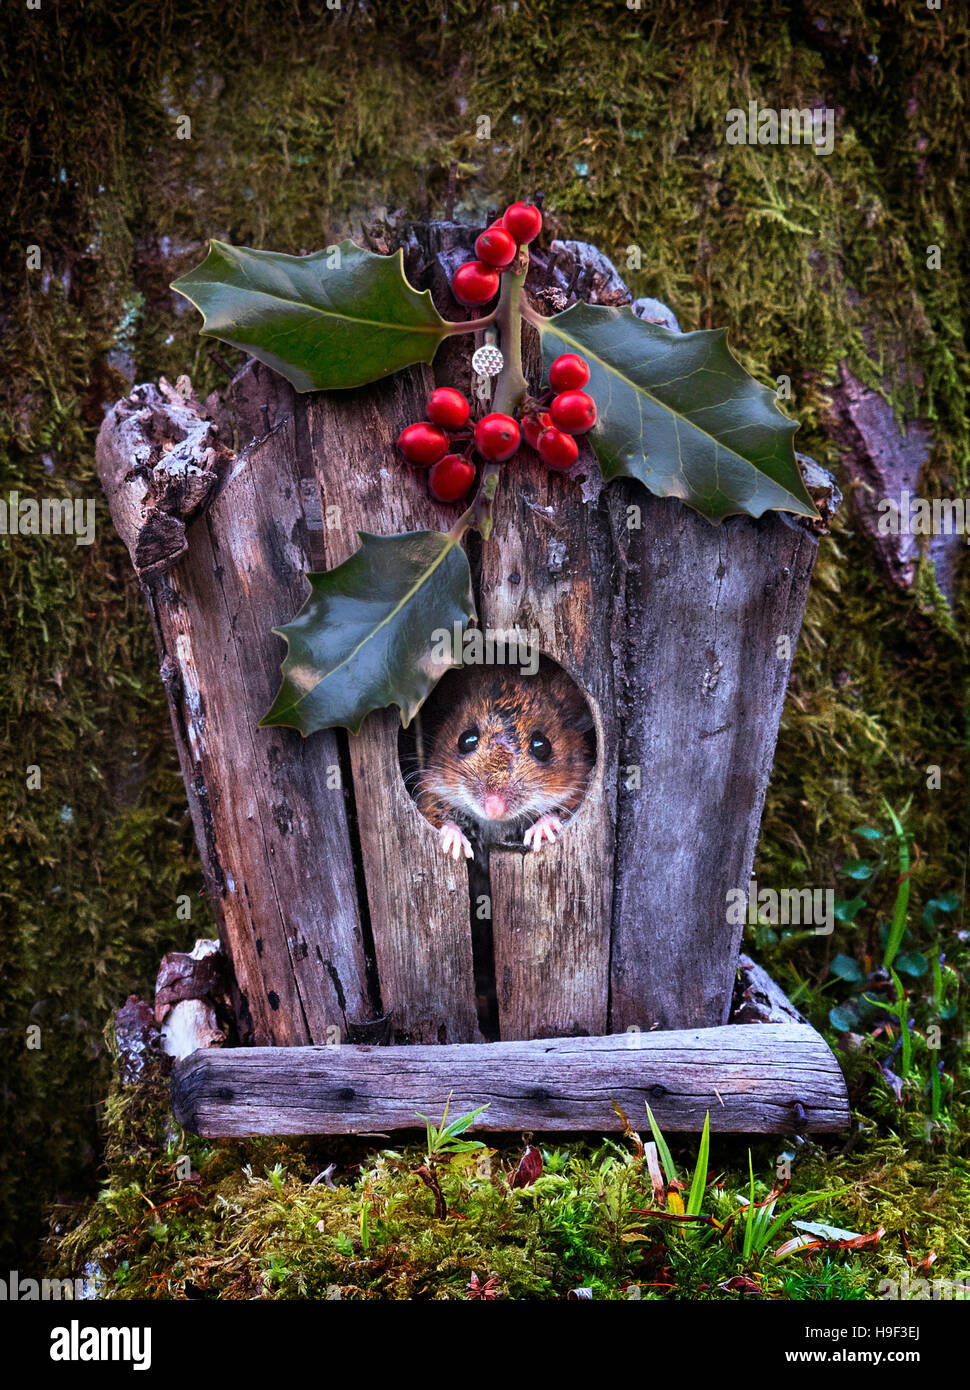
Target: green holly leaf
369, 635
680, 413
341, 317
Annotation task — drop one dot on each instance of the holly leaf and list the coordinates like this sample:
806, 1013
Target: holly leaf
680, 413
341, 317
375, 631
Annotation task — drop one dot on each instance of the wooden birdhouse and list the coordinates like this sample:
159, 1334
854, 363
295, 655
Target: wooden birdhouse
373, 975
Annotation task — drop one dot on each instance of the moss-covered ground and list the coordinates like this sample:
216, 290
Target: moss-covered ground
303, 121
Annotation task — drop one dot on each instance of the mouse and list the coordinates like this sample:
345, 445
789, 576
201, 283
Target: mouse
510, 758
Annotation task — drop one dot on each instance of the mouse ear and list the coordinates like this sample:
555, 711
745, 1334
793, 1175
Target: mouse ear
581, 718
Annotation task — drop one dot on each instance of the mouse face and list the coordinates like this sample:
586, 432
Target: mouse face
512, 748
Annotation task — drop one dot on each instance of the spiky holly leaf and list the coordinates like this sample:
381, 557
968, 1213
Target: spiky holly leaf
366, 636
341, 317
679, 412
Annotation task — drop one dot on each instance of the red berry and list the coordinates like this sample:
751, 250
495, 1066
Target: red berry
574, 412
448, 408
475, 283
533, 425
423, 444
496, 248
569, 372
497, 437
557, 449
523, 221
451, 477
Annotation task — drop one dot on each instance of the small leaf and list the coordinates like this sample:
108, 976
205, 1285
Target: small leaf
848, 908
847, 969
915, 964
341, 317
695, 1198
856, 868
868, 832
680, 413
528, 1169
948, 903
670, 1171
364, 638
843, 1017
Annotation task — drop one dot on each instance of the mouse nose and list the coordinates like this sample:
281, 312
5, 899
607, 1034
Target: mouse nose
494, 806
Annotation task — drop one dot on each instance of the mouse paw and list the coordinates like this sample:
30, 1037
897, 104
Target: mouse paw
452, 841
545, 828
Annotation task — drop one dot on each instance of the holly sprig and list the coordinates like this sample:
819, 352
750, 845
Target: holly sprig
676, 411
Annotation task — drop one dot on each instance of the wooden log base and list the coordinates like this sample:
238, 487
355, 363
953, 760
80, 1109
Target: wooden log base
762, 1079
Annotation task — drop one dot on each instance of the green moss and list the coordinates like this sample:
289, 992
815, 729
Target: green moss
304, 122
247, 1221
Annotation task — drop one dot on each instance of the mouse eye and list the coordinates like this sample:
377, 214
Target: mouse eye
467, 742
540, 748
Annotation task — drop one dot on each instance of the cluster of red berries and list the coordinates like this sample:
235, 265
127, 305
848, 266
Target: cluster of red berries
476, 282
496, 437
572, 412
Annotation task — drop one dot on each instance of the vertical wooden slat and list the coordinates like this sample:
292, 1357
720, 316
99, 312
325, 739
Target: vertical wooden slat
549, 568
706, 671
418, 899
270, 814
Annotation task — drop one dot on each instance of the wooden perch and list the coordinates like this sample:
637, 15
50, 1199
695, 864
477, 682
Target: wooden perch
765, 1080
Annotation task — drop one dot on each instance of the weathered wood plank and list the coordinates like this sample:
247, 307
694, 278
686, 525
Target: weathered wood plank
269, 815
762, 1079
713, 614
420, 914
549, 572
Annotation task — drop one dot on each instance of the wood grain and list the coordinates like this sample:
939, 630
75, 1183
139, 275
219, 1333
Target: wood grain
269, 816
550, 572
418, 900
704, 683
763, 1079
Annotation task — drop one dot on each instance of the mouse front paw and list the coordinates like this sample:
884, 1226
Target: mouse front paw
545, 828
452, 841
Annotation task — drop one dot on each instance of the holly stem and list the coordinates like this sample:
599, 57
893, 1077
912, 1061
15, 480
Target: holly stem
470, 325
511, 388
511, 385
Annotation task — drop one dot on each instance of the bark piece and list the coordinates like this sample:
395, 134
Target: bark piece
160, 463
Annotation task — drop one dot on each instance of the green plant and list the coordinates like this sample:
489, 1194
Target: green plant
444, 1141
762, 1224
901, 905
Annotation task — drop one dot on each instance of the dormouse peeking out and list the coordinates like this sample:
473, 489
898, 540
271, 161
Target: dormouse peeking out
510, 754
